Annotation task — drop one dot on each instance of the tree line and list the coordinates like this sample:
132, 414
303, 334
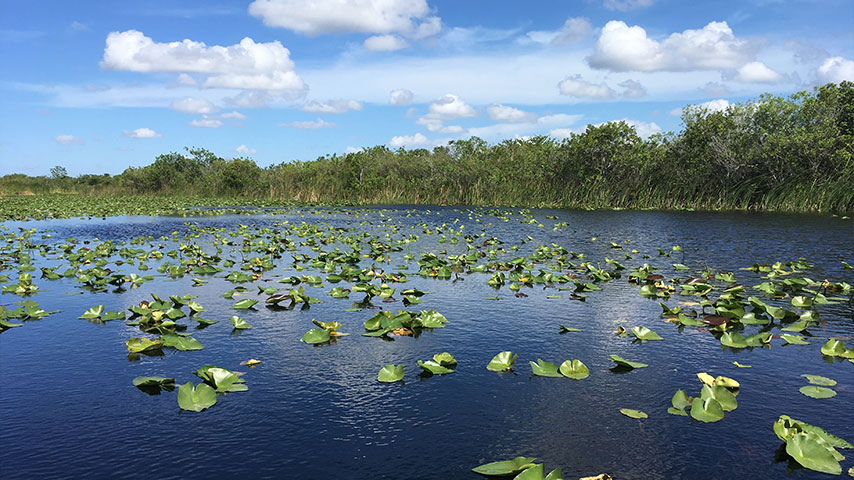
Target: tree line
775, 153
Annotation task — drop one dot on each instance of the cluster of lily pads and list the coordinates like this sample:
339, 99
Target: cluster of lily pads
441, 364
524, 468
216, 381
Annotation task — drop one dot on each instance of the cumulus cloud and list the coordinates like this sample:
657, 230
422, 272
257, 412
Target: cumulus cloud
206, 122
66, 139
417, 140
309, 125
626, 5
757, 72
573, 30
450, 106
622, 48
400, 97
246, 65
195, 106
234, 114
577, 87
561, 132
503, 113
332, 106
643, 129
836, 69
141, 133
407, 17
185, 80
350, 149
632, 89
244, 150
717, 105
543, 124
385, 43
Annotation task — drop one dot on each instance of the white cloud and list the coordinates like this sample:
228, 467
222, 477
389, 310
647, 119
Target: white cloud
66, 139
332, 106
450, 106
757, 72
626, 5
185, 80
452, 129
350, 149
542, 125
400, 97
247, 65
385, 43
632, 89
78, 27
836, 69
573, 30
577, 87
417, 140
643, 129
234, 114
309, 125
407, 17
431, 122
717, 105
206, 122
503, 113
244, 150
715, 89
141, 133
561, 133
622, 48
195, 106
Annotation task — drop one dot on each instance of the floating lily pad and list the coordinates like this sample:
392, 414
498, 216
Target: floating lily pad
152, 381
239, 323
445, 359
643, 333
434, 368
564, 329
93, 312
680, 402
574, 369
794, 339
143, 344
545, 369
833, 348
814, 391
706, 410
742, 366
390, 373
196, 398
819, 380
633, 413
733, 340
626, 363
722, 395
315, 336
505, 467
244, 304
502, 362
180, 342
811, 452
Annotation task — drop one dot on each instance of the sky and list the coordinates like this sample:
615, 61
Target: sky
100, 86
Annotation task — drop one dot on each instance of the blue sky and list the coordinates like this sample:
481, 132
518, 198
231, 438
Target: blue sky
99, 86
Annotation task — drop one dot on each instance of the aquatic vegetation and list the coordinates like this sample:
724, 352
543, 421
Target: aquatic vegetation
811, 446
390, 373
502, 362
631, 413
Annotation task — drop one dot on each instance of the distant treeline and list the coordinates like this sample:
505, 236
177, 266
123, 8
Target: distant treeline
775, 153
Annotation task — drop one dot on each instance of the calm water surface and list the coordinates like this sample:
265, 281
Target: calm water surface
68, 408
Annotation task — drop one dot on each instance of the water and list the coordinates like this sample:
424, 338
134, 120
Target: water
68, 408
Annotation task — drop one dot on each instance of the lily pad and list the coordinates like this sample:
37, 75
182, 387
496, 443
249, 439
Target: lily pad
574, 369
196, 398
143, 344
814, 391
564, 329
794, 339
390, 373
434, 368
722, 395
706, 410
502, 362
833, 348
152, 381
733, 340
244, 304
643, 333
93, 312
812, 453
445, 359
315, 336
626, 363
633, 413
180, 342
545, 369
819, 380
680, 402
505, 467
239, 323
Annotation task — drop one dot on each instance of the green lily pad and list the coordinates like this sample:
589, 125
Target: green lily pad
143, 344
814, 391
564, 329
505, 467
390, 373
626, 363
722, 395
180, 342
244, 304
196, 398
239, 323
733, 340
434, 368
819, 380
93, 312
706, 410
502, 362
534, 472
545, 369
680, 402
812, 453
643, 333
633, 413
445, 359
833, 348
574, 369
315, 336
794, 339
152, 381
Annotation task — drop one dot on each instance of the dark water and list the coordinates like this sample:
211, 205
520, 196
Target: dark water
68, 408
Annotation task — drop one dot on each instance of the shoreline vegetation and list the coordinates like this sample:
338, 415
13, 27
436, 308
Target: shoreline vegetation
793, 154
